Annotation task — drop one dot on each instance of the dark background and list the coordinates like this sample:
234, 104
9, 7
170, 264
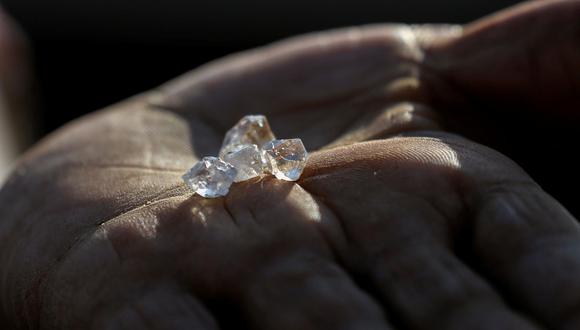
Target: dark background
91, 53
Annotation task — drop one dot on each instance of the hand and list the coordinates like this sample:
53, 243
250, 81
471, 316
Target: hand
416, 229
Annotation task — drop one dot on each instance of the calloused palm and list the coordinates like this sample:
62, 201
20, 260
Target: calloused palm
417, 228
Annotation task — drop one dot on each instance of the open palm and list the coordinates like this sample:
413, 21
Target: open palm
394, 223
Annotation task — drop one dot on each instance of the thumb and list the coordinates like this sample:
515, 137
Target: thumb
527, 55
518, 71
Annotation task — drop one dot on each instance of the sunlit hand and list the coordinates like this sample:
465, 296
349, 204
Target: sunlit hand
394, 224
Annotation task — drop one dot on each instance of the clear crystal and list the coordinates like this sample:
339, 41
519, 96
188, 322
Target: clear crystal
210, 177
248, 160
287, 158
252, 129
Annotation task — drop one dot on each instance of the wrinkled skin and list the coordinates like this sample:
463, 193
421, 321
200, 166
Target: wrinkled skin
394, 224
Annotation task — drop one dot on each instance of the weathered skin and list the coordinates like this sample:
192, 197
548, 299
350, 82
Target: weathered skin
418, 228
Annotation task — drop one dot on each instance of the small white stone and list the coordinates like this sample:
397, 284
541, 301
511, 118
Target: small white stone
210, 177
248, 160
252, 129
287, 158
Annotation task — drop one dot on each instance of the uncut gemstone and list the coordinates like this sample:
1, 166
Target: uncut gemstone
252, 129
211, 177
248, 160
287, 158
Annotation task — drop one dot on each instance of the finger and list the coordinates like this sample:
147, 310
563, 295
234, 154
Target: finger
302, 70
352, 72
527, 55
306, 292
526, 241
289, 279
530, 246
161, 308
426, 285
420, 279
516, 73
305, 70
403, 236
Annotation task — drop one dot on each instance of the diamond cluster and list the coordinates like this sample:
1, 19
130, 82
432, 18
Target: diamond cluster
249, 150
